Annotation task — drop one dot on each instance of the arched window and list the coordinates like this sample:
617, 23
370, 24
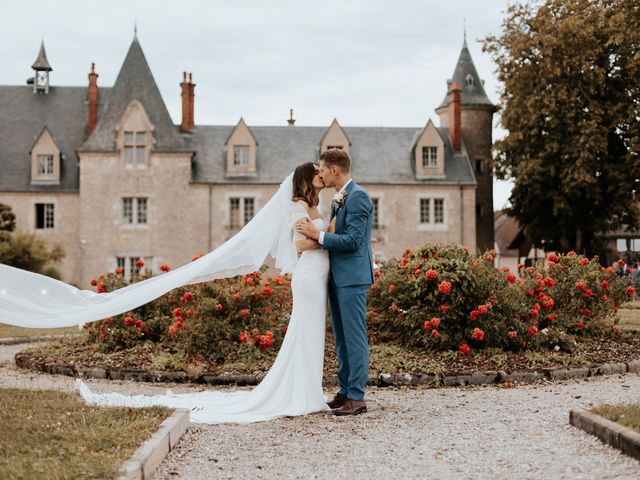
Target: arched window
469, 81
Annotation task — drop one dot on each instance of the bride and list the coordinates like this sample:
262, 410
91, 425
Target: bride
292, 386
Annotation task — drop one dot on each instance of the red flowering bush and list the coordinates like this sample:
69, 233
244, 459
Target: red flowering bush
445, 298
209, 319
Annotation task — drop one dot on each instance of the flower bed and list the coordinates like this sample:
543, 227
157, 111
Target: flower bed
436, 302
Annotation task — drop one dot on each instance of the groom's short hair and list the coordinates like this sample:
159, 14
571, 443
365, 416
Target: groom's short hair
338, 157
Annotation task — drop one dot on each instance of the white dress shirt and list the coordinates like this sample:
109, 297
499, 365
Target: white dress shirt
321, 238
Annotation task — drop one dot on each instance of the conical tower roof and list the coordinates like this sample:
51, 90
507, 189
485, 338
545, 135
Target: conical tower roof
467, 76
135, 81
41, 62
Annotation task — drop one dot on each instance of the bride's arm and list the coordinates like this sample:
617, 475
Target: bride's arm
303, 243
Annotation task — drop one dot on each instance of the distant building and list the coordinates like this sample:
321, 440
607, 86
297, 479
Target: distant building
106, 172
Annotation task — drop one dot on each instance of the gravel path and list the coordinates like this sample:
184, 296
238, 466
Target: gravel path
480, 433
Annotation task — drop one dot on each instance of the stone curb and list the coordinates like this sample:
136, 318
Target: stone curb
40, 338
612, 433
147, 458
487, 377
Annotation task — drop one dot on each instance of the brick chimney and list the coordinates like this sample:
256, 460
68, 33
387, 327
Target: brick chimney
455, 123
92, 99
185, 103
191, 101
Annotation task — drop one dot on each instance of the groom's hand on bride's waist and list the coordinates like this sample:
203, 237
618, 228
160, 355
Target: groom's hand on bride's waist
306, 228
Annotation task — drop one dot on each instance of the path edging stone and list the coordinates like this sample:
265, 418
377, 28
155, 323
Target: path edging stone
612, 433
146, 459
481, 377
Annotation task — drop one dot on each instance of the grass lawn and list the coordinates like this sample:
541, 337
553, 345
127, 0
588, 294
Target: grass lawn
629, 318
55, 435
626, 415
11, 331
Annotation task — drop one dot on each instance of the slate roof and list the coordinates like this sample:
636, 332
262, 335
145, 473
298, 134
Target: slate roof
471, 95
23, 115
379, 154
135, 81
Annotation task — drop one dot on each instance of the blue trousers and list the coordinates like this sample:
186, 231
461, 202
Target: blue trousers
348, 317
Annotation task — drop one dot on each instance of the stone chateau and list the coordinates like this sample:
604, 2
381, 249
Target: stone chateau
105, 171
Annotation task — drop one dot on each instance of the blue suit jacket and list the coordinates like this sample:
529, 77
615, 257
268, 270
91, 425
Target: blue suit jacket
350, 246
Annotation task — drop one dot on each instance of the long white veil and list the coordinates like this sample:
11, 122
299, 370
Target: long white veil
32, 300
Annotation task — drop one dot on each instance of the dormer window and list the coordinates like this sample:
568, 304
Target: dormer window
429, 157
334, 137
469, 81
334, 146
45, 160
241, 147
45, 165
135, 146
240, 155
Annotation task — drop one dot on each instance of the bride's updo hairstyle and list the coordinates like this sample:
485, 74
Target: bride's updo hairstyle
303, 184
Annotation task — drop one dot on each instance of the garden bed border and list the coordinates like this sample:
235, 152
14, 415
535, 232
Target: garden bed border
481, 377
612, 433
146, 459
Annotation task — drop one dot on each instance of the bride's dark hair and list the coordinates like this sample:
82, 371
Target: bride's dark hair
303, 184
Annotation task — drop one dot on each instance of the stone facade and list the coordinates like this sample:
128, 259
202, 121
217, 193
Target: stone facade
138, 186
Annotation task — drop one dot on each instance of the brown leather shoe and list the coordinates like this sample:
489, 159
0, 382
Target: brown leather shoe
338, 401
351, 407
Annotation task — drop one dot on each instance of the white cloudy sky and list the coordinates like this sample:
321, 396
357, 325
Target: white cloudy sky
365, 62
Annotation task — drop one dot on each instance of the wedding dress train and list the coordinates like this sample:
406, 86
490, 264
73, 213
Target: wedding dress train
292, 386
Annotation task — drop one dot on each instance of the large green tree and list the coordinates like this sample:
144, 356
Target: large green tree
570, 73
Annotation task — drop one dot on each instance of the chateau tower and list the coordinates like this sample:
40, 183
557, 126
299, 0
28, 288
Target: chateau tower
476, 125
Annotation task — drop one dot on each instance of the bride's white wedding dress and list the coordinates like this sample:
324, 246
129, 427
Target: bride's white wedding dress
293, 385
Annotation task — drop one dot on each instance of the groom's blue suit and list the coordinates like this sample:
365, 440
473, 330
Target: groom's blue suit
350, 278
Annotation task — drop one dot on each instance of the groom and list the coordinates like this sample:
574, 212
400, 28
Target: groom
350, 277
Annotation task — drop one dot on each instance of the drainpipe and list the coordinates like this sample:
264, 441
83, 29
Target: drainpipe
461, 217
210, 195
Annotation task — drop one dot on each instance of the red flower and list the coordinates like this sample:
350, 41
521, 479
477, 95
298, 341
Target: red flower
474, 315
553, 258
140, 263
524, 344
187, 296
267, 291
427, 325
435, 333
489, 258
621, 262
444, 287
534, 313
285, 328
533, 330
100, 288
581, 285
571, 253
431, 274
392, 287
580, 324
244, 313
435, 321
588, 292
218, 308
630, 291
374, 286
93, 282
249, 280
172, 330
464, 349
548, 302
586, 312
119, 270
164, 267
584, 261
393, 307
520, 265
243, 337
443, 308
236, 297
255, 331
511, 278
549, 282
604, 285
101, 337
512, 334
177, 312
478, 334
128, 321
139, 323
552, 317
482, 309
604, 298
